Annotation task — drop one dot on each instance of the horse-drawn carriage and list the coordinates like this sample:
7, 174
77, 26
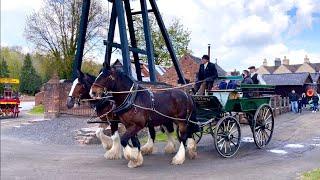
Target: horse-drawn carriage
220, 113
9, 103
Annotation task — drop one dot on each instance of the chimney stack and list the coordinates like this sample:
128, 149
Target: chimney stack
277, 62
265, 62
306, 59
285, 61
209, 50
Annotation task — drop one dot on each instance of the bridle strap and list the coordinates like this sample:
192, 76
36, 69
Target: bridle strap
96, 84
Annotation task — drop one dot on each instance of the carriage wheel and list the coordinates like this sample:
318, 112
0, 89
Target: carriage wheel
263, 125
227, 136
196, 136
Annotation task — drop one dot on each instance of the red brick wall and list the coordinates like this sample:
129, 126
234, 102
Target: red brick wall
189, 68
39, 98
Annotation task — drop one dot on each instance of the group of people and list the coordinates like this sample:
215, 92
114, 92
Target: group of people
207, 74
298, 103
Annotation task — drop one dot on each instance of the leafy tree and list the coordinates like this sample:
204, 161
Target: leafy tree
30, 81
91, 67
14, 58
4, 72
179, 35
54, 30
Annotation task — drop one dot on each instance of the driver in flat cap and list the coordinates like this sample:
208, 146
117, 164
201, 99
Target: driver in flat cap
256, 78
207, 73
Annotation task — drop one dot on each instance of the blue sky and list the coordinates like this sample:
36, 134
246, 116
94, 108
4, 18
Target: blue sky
242, 32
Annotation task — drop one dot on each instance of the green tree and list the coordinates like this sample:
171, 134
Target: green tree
54, 30
180, 37
4, 72
30, 81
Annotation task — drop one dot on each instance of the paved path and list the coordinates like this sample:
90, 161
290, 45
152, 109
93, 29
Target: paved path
295, 148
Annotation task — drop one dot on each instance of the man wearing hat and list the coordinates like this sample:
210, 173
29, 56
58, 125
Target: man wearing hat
256, 78
207, 73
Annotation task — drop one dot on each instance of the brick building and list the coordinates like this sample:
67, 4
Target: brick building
190, 66
288, 76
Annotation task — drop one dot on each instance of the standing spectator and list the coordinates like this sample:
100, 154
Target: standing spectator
293, 98
304, 100
299, 105
315, 102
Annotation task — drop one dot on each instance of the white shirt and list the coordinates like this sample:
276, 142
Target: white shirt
205, 65
260, 79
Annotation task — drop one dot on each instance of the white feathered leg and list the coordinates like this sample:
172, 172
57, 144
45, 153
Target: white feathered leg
134, 156
115, 151
170, 148
148, 147
192, 148
180, 156
106, 141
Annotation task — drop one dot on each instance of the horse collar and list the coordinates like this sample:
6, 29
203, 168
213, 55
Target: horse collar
129, 100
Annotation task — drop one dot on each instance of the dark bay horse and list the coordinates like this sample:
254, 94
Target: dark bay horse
80, 90
138, 108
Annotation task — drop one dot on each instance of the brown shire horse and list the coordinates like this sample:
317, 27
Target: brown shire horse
80, 90
174, 105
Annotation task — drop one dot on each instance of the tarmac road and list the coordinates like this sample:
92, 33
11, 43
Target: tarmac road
295, 148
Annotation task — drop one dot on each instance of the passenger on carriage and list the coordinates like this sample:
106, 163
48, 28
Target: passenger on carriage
256, 78
207, 73
246, 80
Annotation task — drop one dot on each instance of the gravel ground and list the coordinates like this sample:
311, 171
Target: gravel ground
56, 131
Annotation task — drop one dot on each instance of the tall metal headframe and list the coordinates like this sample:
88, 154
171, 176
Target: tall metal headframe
120, 9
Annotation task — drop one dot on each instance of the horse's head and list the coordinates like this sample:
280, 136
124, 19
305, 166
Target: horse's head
80, 89
104, 81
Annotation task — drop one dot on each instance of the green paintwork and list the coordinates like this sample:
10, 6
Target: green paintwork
256, 86
230, 77
245, 104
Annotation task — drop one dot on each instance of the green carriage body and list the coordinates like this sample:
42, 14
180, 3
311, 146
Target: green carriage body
219, 111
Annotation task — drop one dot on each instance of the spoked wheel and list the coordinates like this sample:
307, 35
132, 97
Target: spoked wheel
227, 136
263, 125
196, 136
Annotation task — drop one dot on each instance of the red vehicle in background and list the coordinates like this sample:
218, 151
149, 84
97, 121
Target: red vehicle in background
9, 100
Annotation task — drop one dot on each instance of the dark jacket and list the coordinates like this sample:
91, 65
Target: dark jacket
293, 97
315, 99
255, 79
247, 80
210, 73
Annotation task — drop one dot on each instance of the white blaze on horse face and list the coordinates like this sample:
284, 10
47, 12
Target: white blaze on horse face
74, 84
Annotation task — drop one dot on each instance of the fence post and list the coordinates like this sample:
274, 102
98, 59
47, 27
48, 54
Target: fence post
52, 97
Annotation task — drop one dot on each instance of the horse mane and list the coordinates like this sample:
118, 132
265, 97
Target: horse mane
126, 79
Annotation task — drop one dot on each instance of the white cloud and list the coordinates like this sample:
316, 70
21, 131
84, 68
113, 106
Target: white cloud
21, 5
241, 32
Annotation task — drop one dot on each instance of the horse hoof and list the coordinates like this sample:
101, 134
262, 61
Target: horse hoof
176, 161
170, 148
146, 150
112, 155
136, 163
192, 154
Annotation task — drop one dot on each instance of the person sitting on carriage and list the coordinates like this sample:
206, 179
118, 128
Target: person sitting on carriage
256, 78
246, 80
207, 75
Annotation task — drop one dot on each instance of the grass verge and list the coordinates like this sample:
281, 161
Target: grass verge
37, 110
312, 175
